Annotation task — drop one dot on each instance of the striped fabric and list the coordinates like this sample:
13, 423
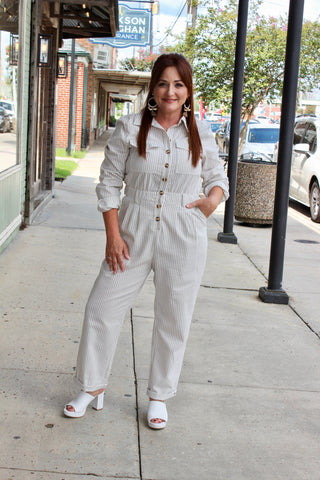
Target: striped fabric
163, 236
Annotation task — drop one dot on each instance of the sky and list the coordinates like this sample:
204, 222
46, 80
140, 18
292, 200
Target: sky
170, 9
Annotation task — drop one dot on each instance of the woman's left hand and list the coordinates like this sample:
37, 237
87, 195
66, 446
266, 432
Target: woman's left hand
208, 204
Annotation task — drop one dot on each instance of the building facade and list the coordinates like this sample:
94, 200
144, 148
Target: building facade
32, 31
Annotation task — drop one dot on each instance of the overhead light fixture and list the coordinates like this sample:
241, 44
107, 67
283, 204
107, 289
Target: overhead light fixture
44, 50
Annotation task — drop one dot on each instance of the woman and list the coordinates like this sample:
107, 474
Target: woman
161, 154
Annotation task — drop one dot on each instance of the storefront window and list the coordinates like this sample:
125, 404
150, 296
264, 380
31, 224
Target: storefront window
9, 48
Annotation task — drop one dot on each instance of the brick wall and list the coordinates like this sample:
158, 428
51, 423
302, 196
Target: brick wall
86, 45
63, 110
63, 106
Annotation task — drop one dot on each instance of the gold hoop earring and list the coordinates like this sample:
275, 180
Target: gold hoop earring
186, 110
152, 106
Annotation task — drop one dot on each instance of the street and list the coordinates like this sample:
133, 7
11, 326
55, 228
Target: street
302, 214
8, 156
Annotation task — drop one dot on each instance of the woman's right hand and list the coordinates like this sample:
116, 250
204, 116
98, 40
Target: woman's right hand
116, 251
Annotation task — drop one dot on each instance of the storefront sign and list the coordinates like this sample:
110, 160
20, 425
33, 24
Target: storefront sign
134, 29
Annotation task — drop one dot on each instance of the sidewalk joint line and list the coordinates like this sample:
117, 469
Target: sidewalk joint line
62, 227
252, 262
136, 391
304, 321
237, 289
244, 253
253, 387
97, 475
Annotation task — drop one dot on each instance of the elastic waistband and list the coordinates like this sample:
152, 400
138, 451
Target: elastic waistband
142, 197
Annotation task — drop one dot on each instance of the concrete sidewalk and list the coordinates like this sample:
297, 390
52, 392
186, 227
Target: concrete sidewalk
248, 405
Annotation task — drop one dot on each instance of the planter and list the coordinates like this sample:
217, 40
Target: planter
255, 190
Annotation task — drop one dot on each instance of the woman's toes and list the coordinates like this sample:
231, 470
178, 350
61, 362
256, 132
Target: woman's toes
70, 408
156, 420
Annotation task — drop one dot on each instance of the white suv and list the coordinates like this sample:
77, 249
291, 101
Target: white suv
9, 107
305, 167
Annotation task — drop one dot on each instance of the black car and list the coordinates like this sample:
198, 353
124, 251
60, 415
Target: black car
223, 135
4, 121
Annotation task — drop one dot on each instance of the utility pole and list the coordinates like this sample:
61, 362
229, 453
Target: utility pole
191, 14
151, 28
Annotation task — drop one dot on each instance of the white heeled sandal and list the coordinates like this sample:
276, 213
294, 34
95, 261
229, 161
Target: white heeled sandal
157, 409
81, 403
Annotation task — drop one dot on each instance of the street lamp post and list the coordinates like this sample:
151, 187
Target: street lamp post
227, 236
274, 292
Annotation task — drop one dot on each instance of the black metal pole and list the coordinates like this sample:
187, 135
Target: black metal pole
73, 50
274, 292
227, 236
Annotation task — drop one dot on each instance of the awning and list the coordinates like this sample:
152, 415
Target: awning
9, 14
117, 98
86, 18
78, 18
123, 84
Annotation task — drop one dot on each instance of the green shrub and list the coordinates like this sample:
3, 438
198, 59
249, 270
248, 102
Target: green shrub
62, 152
64, 168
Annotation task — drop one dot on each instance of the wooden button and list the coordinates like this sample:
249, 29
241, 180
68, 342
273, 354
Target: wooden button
161, 192
157, 219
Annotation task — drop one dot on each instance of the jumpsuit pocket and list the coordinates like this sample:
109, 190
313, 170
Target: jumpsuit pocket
137, 164
183, 159
200, 214
126, 216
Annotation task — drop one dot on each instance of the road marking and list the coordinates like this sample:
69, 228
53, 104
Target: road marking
305, 221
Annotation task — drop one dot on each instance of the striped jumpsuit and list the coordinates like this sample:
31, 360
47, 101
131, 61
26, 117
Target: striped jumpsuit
163, 236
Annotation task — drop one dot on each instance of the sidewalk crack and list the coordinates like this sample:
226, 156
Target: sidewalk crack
136, 392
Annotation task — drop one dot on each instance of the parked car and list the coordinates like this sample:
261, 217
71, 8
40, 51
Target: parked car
262, 118
4, 121
261, 138
215, 126
305, 165
223, 135
9, 107
253, 157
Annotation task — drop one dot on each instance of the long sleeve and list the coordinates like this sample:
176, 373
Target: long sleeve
213, 173
113, 167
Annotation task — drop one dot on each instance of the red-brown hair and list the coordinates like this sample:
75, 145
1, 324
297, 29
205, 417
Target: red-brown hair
185, 71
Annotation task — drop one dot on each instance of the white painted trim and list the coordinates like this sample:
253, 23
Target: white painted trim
10, 229
83, 60
10, 171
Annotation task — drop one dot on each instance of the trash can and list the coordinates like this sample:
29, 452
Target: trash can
255, 189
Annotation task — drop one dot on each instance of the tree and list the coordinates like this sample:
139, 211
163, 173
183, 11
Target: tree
143, 63
210, 46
